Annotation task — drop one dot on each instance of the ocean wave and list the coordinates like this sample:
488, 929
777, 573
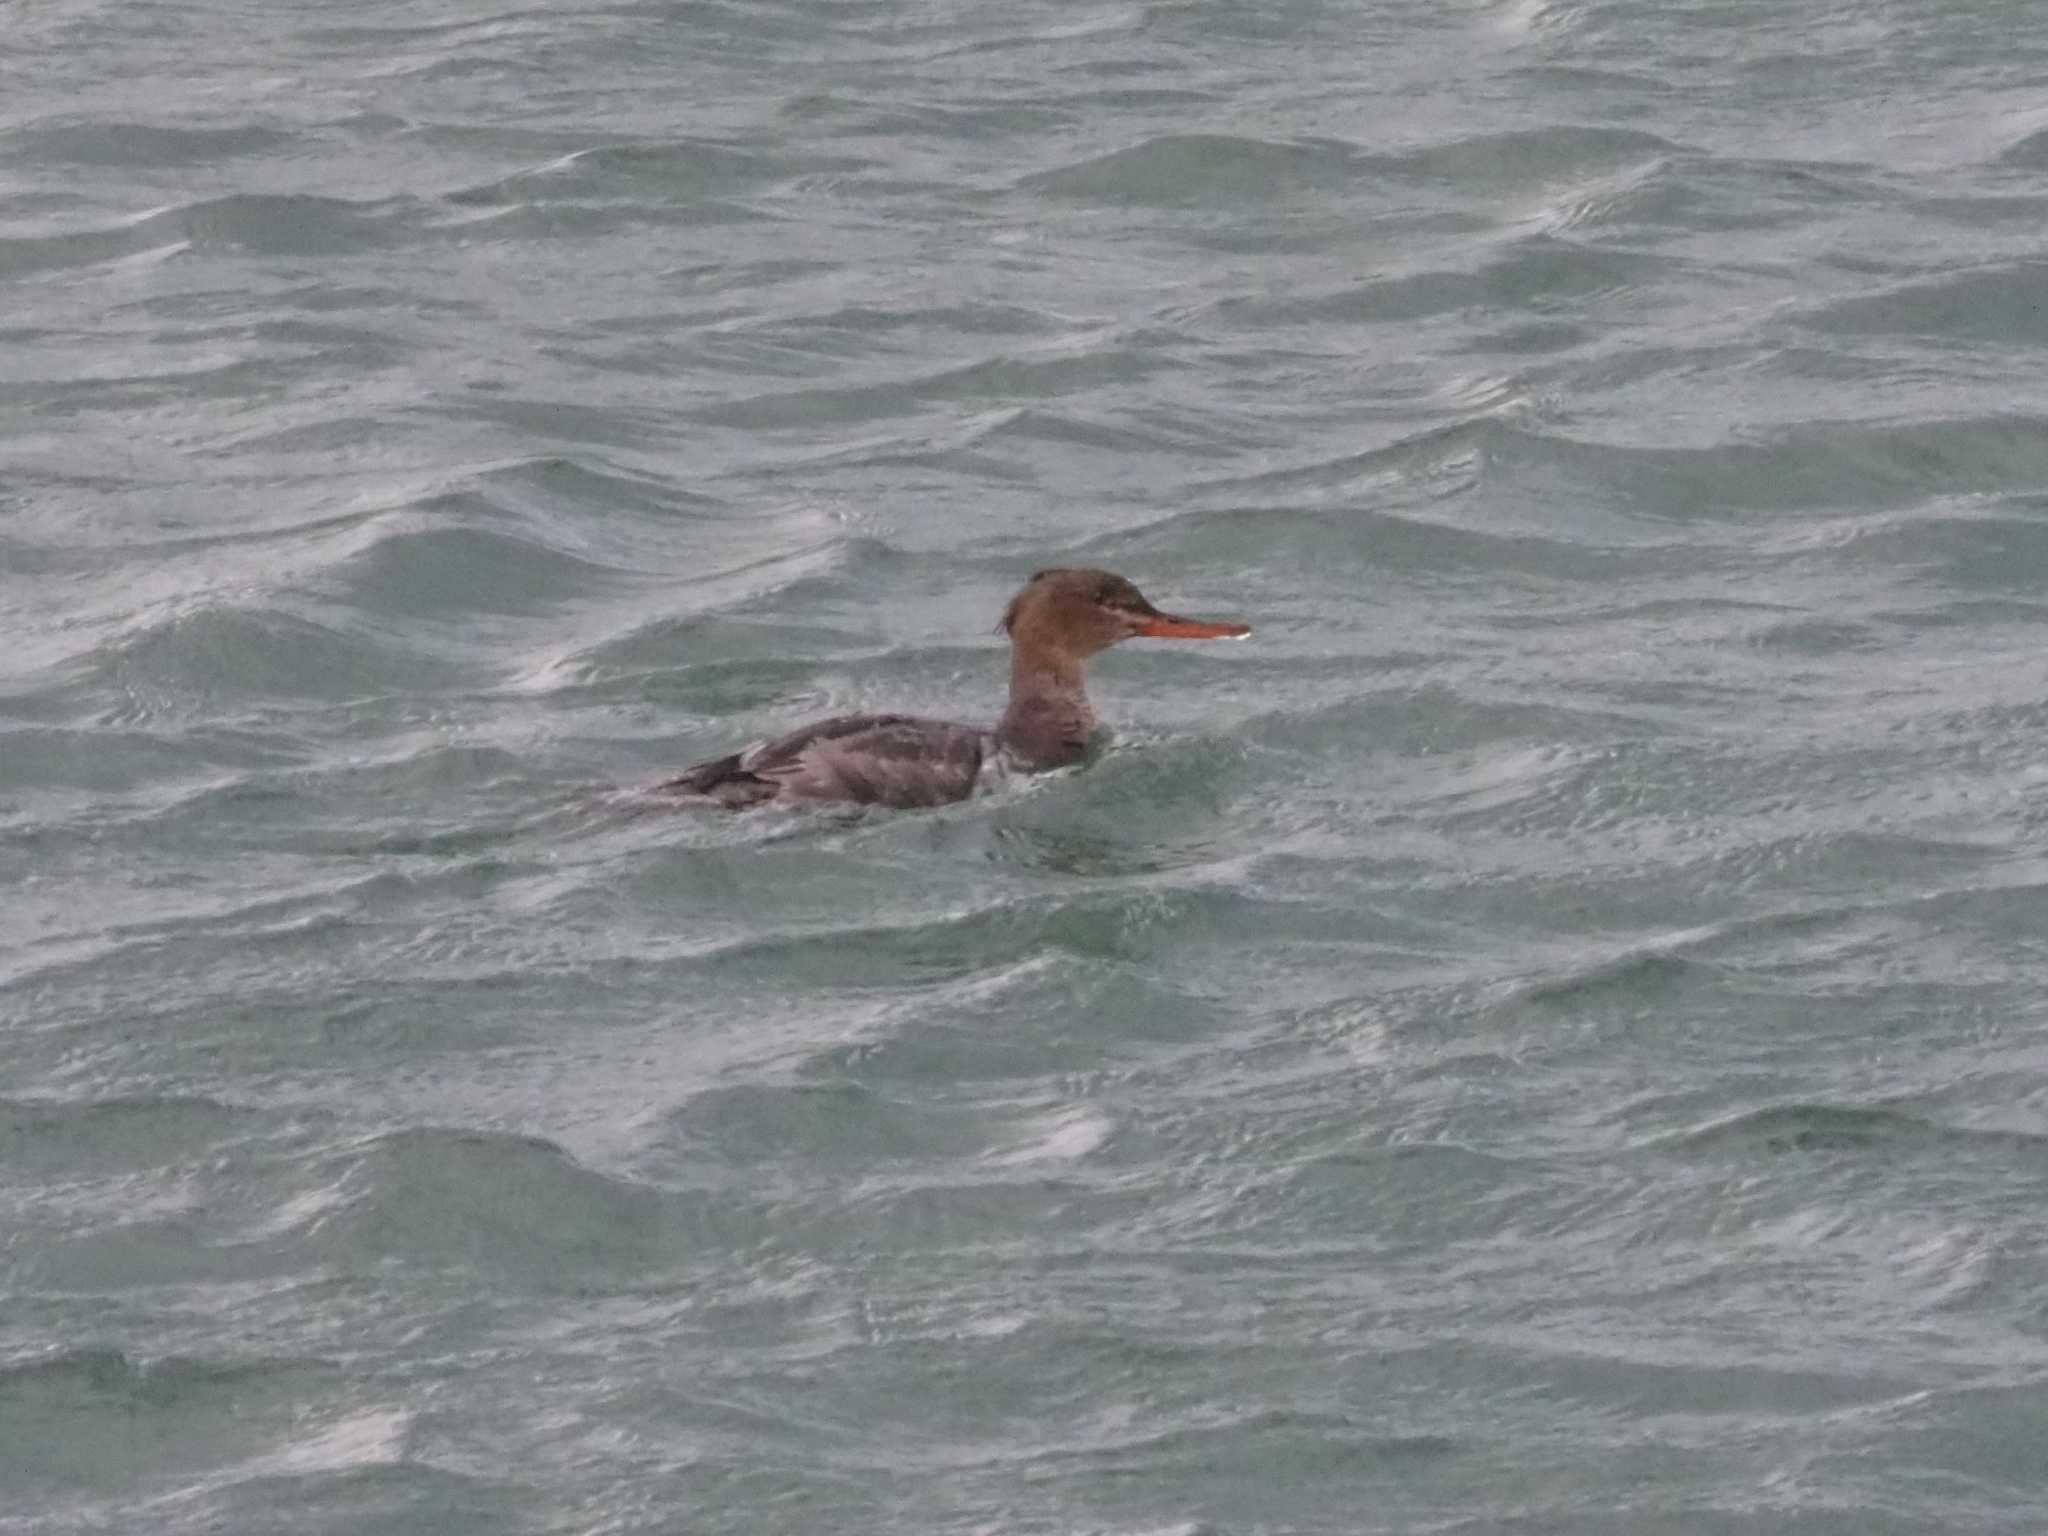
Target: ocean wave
218, 649
2003, 304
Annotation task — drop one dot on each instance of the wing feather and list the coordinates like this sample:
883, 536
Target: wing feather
894, 760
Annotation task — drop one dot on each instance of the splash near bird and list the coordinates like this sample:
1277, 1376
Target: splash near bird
1055, 623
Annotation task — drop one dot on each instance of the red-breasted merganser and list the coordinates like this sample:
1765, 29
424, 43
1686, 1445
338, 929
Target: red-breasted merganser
1058, 620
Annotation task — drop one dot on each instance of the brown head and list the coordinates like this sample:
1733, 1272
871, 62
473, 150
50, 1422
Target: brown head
1073, 613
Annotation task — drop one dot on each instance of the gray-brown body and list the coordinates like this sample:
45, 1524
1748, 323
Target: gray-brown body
896, 760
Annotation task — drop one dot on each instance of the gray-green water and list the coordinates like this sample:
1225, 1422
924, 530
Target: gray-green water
1551, 1036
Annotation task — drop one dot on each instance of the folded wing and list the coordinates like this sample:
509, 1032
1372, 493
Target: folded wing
894, 760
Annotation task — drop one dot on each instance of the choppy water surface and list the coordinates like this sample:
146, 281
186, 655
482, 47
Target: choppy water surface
1548, 1037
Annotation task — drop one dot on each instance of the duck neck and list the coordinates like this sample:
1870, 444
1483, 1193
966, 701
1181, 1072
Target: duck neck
1049, 721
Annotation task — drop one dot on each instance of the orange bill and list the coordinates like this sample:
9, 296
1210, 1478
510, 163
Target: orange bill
1169, 626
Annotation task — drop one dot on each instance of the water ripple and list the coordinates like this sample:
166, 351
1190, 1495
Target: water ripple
1546, 1035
